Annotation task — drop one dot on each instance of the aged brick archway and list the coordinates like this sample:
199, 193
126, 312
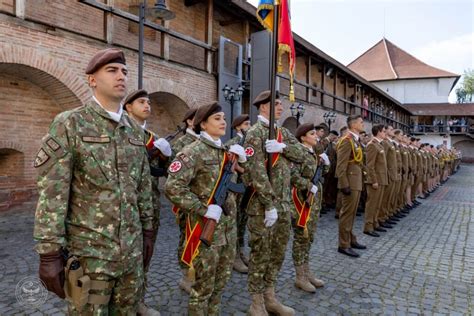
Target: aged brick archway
167, 112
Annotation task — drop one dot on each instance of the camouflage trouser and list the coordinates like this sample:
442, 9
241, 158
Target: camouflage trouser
301, 243
267, 249
241, 223
213, 268
126, 292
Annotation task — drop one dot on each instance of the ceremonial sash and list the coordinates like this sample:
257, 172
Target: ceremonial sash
303, 208
191, 247
274, 156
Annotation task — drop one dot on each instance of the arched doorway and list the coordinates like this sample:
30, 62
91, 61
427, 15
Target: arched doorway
291, 124
29, 100
167, 112
467, 150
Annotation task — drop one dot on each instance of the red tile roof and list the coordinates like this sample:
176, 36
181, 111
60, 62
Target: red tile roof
434, 109
386, 61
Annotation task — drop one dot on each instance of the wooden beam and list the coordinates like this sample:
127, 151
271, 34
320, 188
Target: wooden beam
20, 7
208, 35
165, 42
334, 88
190, 3
109, 24
345, 93
323, 75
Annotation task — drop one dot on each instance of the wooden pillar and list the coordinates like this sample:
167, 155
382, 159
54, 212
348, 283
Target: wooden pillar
334, 88
20, 7
323, 75
309, 91
345, 94
209, 21
165, 42
109, 24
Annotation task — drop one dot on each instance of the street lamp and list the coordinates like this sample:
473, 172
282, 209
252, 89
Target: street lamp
158, 11
297, 111
329, 117
232, 96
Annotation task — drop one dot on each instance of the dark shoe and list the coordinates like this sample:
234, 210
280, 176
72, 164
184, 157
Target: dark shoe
380, 230
373, 234
405, 211
385, 225
390, 222
416, 202
394, 219
336, 216
348, 252
358, 214
399, 215
356, 245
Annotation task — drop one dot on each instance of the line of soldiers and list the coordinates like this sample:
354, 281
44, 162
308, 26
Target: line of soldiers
98, 211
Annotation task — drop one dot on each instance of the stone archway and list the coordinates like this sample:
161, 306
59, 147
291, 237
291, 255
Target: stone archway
291, 124
467, 149
167, 112
29, 100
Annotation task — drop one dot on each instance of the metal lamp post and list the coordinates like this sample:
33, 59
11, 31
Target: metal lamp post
297, 111
232, 96
329, 118
158, 11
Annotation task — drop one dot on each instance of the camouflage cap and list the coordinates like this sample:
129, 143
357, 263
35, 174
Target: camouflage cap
141, 93
104, 57
189, 115
240, 119
303, 129
264, 97
203, 113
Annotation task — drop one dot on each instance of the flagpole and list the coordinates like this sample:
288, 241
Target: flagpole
273, 72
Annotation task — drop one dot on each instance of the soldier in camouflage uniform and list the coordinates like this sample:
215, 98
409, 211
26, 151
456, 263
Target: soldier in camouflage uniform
241, 124
192, 179
304, 224
188, 138
95, 195
137, 104
269, 207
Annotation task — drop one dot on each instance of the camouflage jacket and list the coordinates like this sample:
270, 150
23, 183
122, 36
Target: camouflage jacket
181, 142
269, 195
302, 173
191, 179
94, 186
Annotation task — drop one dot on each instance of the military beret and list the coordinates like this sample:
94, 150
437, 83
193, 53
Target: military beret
135, 95
189, 114
203, 113
240, 119
104, 57
264, 97
334, 132
303, 129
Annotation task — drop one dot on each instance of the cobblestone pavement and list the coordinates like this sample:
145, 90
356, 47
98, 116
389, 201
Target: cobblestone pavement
425, 265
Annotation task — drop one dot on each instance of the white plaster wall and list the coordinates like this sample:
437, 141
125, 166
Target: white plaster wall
418, 90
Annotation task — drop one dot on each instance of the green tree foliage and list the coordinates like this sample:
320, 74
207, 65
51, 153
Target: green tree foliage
465, 93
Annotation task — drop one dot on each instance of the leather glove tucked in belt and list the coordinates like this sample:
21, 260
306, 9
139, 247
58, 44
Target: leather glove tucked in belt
149, 237
51, 272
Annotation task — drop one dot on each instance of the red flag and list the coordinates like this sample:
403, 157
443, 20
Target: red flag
286, 44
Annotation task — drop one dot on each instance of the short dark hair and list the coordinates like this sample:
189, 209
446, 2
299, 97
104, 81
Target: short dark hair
335, 133
352, 118
397, 131
342, 129
376, 129
363, 133
413, 139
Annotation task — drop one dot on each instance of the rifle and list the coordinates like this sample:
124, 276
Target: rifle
154, 152
220, 196
316, 178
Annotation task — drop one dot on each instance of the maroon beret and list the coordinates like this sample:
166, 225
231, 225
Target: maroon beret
135, 95
189, 115
203, 113
104, 57
240, 119
264, 97
303, 129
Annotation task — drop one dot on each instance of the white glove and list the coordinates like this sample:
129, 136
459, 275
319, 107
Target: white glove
325, 158
273, 146
314, 189
239, 151
214, 212
163, 145
271, 217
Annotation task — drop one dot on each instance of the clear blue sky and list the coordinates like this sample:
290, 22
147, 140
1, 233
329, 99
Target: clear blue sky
438, 32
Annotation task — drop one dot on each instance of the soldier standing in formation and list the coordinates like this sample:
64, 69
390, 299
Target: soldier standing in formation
306, 206
241, 124
330, 181
376, 180
95, 198
269, 206
193, 177
137, 104
349, 174
188, 138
